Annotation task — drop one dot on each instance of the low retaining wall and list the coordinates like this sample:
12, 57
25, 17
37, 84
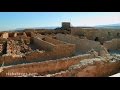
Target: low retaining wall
97, 70
45, 67
7, 60
58, 52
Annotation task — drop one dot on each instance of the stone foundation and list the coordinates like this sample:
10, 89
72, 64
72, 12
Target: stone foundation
45, 67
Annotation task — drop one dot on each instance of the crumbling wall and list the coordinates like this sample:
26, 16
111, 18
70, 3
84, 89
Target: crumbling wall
5, 35
59, 50
12, 59
113, 44
8, 60
64, 50
100, 70
81, 44
56, 53
46, 67
28, 34
92, 33
19, 37
10, 47
32, 57
36, 56
20, 33
43, 44
12, 35
97, 69
53, 41
67, 48
51, 51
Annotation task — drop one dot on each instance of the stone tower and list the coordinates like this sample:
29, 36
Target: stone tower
66, 25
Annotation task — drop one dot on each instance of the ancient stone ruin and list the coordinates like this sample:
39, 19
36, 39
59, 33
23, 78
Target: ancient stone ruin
63, 52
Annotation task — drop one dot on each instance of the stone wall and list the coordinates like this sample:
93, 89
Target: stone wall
43, 44
45, 67
58, 48
66, 67
53, 41
11, 35
28, 34
5, 35
64, 50
98, 69
37, 56
9, 59
113, 44
51, 51
81, 44
19, 37
102, 34
19, 59
66, 25
33, 57
20, 33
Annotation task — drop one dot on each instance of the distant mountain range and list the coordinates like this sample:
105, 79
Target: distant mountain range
53, 27
21, 29
110, 26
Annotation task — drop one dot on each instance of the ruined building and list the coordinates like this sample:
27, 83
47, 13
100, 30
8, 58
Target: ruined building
66, 25
68, 52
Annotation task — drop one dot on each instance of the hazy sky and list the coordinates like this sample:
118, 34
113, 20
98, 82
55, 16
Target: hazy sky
12, 20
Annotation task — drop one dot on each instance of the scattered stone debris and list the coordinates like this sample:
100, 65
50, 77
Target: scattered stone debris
115, 57
87, 62
92, 51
